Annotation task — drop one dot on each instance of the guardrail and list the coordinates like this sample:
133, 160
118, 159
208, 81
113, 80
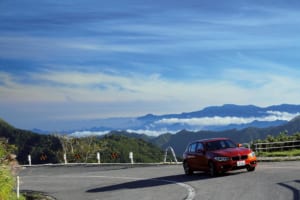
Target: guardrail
99, 158
275, 146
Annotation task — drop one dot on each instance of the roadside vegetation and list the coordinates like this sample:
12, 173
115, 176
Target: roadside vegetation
8, 167
282, 145
289, 153
45, 149
282, 137
112, 149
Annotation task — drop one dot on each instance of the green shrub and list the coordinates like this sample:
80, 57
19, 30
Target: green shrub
7, 184
7, 180
291, 153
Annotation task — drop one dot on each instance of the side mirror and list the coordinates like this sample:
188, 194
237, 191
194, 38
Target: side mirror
239, 145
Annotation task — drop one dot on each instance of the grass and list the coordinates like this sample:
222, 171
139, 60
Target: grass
7, 180
7, 184
290, 153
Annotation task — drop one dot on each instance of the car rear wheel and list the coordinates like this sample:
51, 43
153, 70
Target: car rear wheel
212, 169
187, 169
250, 169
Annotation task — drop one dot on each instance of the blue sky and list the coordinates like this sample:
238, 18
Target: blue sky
63, 61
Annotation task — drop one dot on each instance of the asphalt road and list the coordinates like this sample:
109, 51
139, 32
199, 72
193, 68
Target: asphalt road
270, 180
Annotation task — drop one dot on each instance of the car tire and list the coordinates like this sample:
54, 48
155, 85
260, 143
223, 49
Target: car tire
187, 169
250, 169
212, 169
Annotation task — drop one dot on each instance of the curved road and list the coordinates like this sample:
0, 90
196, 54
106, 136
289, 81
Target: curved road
273, 180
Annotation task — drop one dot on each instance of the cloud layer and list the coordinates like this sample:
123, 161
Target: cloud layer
223, 121
161, 126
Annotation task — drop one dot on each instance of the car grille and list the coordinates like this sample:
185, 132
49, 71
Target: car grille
242, 157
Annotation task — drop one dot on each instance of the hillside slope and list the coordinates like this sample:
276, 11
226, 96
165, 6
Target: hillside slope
50, 149
31, 143
116, 148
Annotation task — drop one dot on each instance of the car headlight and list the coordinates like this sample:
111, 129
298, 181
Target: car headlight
221, 159
252, 154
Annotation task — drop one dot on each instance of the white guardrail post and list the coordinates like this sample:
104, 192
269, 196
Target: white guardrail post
29, 160
18, 187
131, 157
98, 157
65, 158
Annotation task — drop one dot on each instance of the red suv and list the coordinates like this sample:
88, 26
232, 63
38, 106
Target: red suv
216, 156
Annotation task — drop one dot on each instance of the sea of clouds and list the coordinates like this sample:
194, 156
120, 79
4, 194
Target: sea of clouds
197, 123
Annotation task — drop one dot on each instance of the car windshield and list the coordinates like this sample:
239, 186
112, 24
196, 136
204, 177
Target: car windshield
220, 144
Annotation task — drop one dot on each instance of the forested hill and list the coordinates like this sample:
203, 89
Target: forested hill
50, 148
31, 143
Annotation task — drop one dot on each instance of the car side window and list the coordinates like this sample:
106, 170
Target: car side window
200, 147
192, 148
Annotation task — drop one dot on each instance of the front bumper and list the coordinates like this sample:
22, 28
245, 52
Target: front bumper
233, 164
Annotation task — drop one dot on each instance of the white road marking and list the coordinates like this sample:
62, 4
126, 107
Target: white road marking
190, 189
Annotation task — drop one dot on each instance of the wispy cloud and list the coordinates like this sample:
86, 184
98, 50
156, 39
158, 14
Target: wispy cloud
105, 87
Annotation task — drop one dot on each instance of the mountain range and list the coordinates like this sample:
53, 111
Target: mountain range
180, 140
280, 115
213, 118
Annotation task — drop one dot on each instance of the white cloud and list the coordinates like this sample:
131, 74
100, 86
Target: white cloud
88, 133
222, 121
277, 115
101, 87
96, 46
157, 94
198, 122
140, 131
151, 132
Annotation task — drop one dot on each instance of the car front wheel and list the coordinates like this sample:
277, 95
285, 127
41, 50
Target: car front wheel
212, 169
250, 169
